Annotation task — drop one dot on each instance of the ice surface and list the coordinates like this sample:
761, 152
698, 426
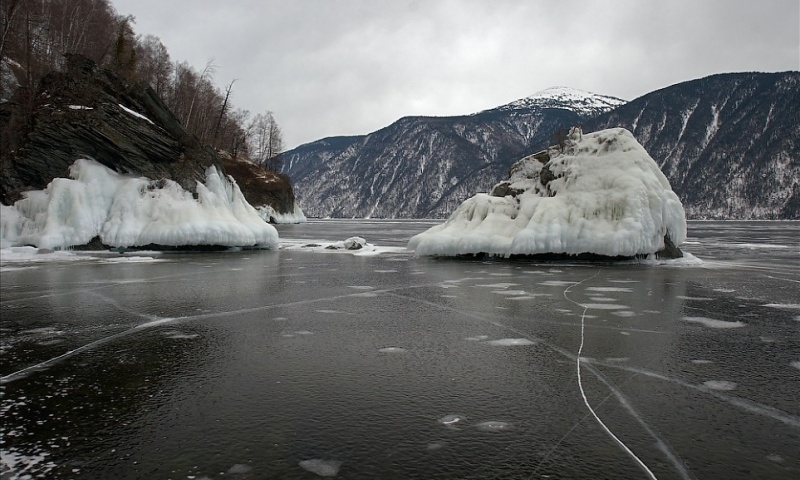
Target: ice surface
608, 197
498, 285
795, 365
392, 350
493, 426
452, 419
712, 323
175, 334
133, 259
723, 385
239, 468
557, 283
323, 468
127, 211
477, 338
784, 306
604, 306
510, 342
608, 289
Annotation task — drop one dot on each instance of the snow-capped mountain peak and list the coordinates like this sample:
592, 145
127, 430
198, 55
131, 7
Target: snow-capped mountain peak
579, 101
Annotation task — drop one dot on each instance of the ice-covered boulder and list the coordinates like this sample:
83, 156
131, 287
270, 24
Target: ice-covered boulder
129, 211
594, 194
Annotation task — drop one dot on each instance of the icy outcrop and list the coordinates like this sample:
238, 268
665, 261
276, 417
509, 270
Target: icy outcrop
128, 211
598, 194
269, 214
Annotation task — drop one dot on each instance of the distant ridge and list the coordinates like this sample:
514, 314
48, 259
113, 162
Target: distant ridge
424, 167
729, 145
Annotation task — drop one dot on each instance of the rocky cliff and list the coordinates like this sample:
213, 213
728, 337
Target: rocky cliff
87, 112
729, 144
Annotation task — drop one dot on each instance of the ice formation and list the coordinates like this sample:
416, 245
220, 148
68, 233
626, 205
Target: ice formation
127, 211
598, 193
271, 215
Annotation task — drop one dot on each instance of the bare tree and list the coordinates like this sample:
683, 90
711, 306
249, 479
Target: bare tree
153, 63
266, 141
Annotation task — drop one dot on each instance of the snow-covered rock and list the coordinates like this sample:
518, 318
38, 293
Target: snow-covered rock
352, 243
598, 193
128, 211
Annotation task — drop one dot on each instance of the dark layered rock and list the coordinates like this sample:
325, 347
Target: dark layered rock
260, 186
87, 112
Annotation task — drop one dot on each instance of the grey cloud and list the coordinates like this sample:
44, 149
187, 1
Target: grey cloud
346, 67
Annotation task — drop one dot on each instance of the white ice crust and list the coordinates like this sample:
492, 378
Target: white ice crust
127, 211
269, 214
608, 197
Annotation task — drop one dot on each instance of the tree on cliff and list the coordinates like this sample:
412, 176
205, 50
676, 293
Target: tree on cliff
266, 141
35, 36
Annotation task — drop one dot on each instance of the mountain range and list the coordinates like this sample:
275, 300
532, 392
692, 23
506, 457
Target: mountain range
727, 143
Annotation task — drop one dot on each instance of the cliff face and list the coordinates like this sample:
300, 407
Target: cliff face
729, 144
87, 112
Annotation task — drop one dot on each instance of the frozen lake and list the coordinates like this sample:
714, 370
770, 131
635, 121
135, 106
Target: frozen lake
306, 362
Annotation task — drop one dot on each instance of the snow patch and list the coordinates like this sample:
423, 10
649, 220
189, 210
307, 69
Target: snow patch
134, 113
712, 323
323, 468
493, 426
723, 385
510, 342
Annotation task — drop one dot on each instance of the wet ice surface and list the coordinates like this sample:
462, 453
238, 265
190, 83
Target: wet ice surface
260, 364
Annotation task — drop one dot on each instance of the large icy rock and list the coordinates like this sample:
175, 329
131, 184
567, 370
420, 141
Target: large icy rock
129, 211
594, 194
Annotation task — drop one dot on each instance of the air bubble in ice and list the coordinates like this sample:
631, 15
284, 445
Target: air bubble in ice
392, 350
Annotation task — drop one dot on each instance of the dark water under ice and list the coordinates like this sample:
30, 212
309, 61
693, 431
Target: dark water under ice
302, 363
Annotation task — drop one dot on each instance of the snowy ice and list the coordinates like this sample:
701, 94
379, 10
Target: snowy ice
723, 385
126, 211
493, 426
712, 323
134, 113
608, 197
269, 214
451, 419
510, 342
323, 468
392, 350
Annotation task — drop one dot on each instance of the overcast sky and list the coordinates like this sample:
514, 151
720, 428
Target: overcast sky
346, 67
